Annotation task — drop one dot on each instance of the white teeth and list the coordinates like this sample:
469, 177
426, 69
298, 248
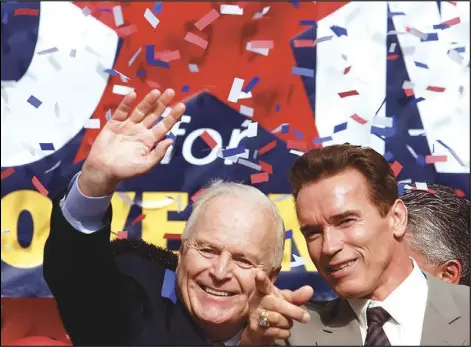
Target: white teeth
343, 266
215, 292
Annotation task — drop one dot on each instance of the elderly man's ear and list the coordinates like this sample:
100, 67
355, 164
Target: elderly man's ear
449, 271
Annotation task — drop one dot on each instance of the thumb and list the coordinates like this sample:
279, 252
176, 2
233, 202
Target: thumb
302, 295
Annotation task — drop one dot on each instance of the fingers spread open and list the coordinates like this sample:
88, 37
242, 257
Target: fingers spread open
145, 106
124, 108
159, 107
163, 127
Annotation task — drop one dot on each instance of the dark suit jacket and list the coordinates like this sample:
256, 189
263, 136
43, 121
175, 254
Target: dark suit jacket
446, 320
119, 293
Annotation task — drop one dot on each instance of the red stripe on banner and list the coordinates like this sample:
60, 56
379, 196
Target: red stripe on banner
172, 236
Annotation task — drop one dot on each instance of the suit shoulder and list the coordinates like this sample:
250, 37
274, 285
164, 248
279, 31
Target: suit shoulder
321, 307
460, 295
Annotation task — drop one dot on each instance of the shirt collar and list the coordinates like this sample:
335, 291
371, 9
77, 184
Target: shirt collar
409, 293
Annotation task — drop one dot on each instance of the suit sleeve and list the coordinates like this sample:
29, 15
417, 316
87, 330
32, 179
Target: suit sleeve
98, 304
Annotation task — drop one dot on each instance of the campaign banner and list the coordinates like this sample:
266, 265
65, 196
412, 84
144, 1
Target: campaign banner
263, 83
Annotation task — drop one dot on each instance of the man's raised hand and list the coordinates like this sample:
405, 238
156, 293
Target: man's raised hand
130, 143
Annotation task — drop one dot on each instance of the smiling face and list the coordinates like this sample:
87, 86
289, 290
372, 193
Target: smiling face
230, 238
349, 241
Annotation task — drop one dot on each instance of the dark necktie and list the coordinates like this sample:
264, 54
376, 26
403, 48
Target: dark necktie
375, 335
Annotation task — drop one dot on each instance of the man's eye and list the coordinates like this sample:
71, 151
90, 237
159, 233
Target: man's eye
347, 221
244, 263
207, 251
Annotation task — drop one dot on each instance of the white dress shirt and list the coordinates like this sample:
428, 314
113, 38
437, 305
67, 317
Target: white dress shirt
406, 305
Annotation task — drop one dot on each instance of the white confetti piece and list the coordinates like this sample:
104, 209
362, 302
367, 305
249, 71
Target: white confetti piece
155, 205
246, 123
262, 13
255, 153
236, 89
122, 90
134, 56
151, 18
386, 122
421, 185
108, 114
246, 111
249, 164
455, 56
282, 197
298, 153
252, 130
407, 85
416, 132
166, 112
126, 198
392, 48
244, 95
418, 33
118, 16
231, 9
93, 123
193, 67
55, 166
262, 51
412, 152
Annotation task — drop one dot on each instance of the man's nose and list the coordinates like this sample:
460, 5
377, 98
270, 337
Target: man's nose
222, 266
332, 242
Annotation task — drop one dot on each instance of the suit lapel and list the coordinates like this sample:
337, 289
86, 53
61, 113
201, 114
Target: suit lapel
341, 327
440, 312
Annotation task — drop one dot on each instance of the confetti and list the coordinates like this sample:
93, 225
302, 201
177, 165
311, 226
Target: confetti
118, 16
252, 130
298, 134
392, 47
73, 53
347, 70
195, 196
208, 139
259, 15
253, 82
46, 146
421, 185
339, 31
417, 33
459, 193
319, 140
308, 22
190, 37
158, 7
134, 56
26, 12
249, 164
246, 111
126, 31
138, 219
416, 101
396, 167
358, 119
265, 166
455, 56
55, 166
7, 172
436, 89
388, 156
231, 9
392, 14
93, 123
193, 67
207, 19
294, 144
416, 132
303, 43
348, 93
393, 57
229, 152
453, 153
32, 100
260, 44
340, 127
259, 177
122, 90
38, 185
296, 152
151, 18
235, 90
323, 39
451, 22
169, 236
421, 65
49, 50
302, 71
268, 147
431, 159
288, 233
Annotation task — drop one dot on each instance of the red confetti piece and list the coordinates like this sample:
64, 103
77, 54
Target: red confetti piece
358, 119
409, 92
268, 147
428, 190
396, 167
430, 159
38, 185
122, 235
459, 193
293, 144
172, 236
259, 177
347, 70
393, 56
207, 19
138, 219
452, 21
349, 93
167, 56
303, 43
127, 30
452, 2
265, 166
436, 89
153, 84
267, 44
190, 37
208, 139
195, 196
7, 172
26, 12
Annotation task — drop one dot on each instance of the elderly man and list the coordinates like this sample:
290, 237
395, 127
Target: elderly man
128, 294
354, 226
438, 232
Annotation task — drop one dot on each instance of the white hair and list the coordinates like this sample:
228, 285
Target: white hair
248, 193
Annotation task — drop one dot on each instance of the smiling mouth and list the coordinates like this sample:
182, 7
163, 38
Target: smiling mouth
341, 267
215, 292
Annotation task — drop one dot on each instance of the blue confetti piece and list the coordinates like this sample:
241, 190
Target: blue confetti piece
302, 71
320, 140
46, 146
295, 3
422, 65
73, 53
298, 134
420, 160
340, 127
229, 152
339, 31
415, 101
309, 22
453, 153
171, 136
460, 49
253, 82
277, 108
441, 26
34, 101
141, 73
186, 88
158, 7
111, 72
383, 132
105, 10
380, 106
400, 188
151, 60
288, 234
388, 156
430, 37
168, 287
161, 63
392, 14
49, 50
285, 129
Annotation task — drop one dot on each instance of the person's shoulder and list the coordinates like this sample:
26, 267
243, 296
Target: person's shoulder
323, 308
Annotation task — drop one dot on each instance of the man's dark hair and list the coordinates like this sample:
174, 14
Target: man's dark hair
438, 226
329, 161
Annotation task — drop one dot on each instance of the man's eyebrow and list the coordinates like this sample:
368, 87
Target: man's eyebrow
343, 215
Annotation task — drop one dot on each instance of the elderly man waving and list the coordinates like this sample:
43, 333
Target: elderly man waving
133, 297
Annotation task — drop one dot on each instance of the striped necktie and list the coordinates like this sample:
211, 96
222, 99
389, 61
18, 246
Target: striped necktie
375, 335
